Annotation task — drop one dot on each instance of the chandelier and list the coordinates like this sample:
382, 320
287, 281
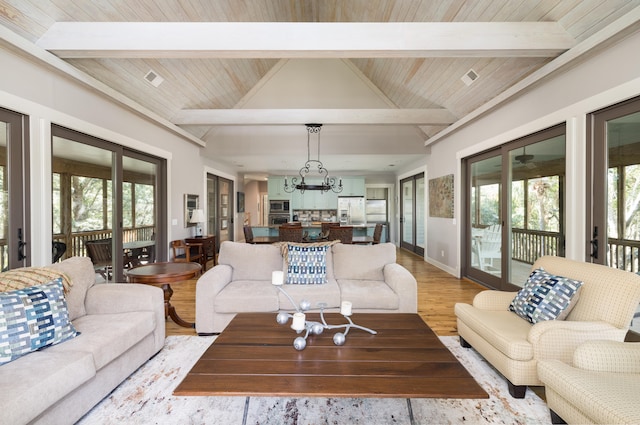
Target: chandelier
327, 183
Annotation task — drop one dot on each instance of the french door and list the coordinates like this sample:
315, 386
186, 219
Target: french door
15, 239
412, 213
220, 208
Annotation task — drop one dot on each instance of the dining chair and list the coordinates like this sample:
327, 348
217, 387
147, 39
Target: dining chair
184, 252
377, 233
248, 234
342, 233
290, 233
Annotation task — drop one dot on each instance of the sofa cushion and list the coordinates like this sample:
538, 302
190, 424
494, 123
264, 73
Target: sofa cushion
107, 336
33, 318
307, 265
250, 262
247, 296
39, 380
368, 294
545, 297
329, 294
362, 261
81, 273
502, 329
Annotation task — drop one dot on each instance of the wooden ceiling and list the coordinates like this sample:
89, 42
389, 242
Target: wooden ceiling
217, 57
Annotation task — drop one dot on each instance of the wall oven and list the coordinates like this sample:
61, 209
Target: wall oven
277, 219
278, 207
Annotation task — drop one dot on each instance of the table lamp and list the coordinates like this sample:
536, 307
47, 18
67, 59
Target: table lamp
197, 217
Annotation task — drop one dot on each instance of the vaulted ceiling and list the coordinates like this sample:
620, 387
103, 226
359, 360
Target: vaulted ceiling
385, 77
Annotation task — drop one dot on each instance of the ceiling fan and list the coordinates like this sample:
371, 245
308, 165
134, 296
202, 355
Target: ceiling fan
526, 160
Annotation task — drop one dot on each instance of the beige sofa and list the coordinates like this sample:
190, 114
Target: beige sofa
121, 326
606, 304
366, 275
602, 386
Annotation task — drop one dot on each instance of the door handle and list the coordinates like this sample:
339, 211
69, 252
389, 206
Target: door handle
21, 245
594, 243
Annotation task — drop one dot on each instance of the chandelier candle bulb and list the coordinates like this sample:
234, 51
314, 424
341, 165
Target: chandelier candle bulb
345, 308
298, 323
277, 277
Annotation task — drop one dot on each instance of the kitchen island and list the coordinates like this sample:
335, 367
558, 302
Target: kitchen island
314, 228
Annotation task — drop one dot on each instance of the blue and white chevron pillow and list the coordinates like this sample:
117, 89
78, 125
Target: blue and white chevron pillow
307, 265
546, 297
33, 318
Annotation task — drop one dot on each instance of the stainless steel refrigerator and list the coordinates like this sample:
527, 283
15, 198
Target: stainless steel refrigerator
351, 210
376, 211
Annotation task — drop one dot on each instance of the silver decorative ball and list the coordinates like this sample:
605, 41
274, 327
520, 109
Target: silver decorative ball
317, 329
339, 339
282, 318
305, 305
299, 343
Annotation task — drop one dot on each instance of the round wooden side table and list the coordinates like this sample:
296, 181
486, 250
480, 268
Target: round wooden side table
165, 274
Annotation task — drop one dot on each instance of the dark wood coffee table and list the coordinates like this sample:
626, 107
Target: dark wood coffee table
254, 356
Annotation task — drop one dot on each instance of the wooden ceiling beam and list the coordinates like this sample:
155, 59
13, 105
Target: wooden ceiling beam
325, 116
305, 40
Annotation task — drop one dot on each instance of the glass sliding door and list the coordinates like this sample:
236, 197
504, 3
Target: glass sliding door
515, 207
14, 209
484, 237
615, 196
412, 213
220, 208
108, 203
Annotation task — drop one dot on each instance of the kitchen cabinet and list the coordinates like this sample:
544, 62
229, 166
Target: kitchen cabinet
275, 188
353, 186
314, 200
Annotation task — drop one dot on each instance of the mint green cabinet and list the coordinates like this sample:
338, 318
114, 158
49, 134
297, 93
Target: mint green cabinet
314, 200
353, 186
275, 188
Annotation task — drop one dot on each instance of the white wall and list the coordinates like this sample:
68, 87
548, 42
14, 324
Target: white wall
48, 97
607, 78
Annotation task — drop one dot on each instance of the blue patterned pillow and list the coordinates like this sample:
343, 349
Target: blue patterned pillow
33, 318
307, 265
546, 297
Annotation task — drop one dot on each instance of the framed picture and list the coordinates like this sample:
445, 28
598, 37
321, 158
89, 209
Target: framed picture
240, 202
190, 203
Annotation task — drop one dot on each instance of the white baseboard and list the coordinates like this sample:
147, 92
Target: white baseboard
442, 266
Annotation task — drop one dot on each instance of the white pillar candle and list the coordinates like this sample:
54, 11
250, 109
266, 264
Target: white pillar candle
277, 277
345, 308
298, 322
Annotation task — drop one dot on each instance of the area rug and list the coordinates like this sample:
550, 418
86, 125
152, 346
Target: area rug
146, 398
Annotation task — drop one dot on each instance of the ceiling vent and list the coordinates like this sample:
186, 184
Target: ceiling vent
469, 77
154, 79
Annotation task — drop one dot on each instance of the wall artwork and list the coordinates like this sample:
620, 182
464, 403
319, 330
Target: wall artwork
441, 197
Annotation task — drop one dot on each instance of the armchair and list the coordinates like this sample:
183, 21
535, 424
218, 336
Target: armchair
602, 386
606, 304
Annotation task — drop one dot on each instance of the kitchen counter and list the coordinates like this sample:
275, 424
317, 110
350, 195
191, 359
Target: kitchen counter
313, 229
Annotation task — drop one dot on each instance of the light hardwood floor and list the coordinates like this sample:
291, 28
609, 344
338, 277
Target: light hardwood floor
438, 291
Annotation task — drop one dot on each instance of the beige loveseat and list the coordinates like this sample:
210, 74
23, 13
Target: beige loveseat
121, 326
602, 386
604, 309
366, 275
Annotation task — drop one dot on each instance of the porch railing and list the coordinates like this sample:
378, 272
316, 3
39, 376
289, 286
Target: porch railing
528, 245
623, 254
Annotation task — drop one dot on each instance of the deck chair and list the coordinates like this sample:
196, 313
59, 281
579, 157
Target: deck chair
100, 252
490, 246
